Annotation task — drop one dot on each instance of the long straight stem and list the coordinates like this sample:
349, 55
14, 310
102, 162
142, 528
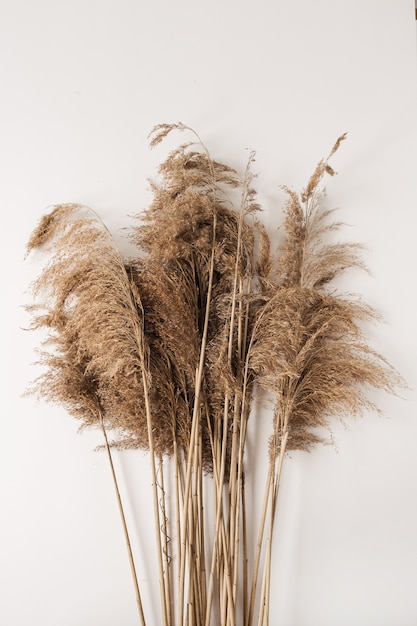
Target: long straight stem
166, 539
245, 551
201, 543
124, 525
274, 503
141, 348
178, 507
155, 498
195, 430
259, 548
219, 523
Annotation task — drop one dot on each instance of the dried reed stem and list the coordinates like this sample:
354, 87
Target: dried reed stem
166, 539
157, 521
259, 546
195, 428
245, 577
125, 529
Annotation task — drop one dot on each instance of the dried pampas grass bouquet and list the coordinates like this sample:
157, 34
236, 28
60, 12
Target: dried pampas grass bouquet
167, 350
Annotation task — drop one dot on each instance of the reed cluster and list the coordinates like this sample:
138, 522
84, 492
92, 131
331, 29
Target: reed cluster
165, 351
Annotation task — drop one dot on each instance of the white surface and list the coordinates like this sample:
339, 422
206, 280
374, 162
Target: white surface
82, 84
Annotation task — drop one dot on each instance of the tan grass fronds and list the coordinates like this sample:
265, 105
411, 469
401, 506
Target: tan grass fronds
192, 191
95, 335
160, 131
322, 168
312, 353
165, 350
309, 345
190, 224
171, 325
94, 323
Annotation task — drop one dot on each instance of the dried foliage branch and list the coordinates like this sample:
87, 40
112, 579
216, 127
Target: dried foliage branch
86, 303
165, 350
95, 340
197, 242
308, 347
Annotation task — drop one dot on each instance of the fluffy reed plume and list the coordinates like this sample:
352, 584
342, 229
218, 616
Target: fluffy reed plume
308, 345
97, 354
200, 258
200, 264
96, 341
164, 350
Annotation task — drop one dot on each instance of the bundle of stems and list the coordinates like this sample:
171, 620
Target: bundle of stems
165, 351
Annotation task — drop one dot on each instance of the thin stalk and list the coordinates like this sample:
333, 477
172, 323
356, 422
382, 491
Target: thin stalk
187, 507
218, 526
263, 606
280, 432
259, 547
239, 437
219, 548
193, 540
234, 499
227, 603
219, 540
197, 520
263, 619
227, 582
240, 490
164, 529
261, 613
238, 509
245, 551
195, 592
201, 544
155, 498
178, 506
124, 525
191, 568
134, 297
235, 427
195, 428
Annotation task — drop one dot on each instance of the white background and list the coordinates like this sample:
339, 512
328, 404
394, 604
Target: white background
82, 84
